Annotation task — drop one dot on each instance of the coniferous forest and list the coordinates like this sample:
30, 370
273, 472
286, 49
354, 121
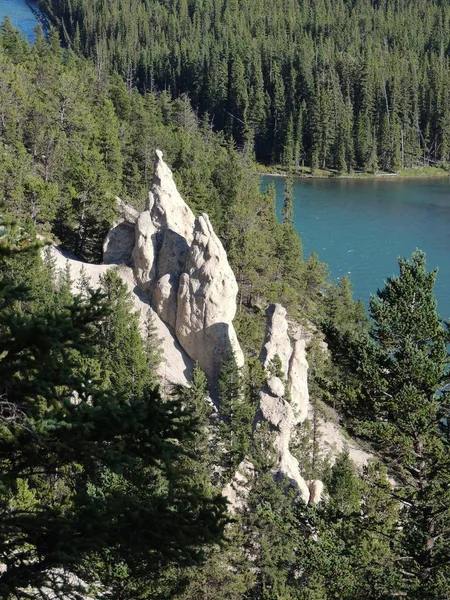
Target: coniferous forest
330, 84
110, 486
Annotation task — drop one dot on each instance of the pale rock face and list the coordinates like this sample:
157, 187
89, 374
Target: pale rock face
127, 212
276, 386
171, 255
277, 338
207, 302
181, 264
281, 415
176, 365
298, 381
166, 212
316, 491
145, 250
164, 299
168, 209
119, 243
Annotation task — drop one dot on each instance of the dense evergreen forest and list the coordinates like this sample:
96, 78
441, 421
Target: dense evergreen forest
110, 487
331, 84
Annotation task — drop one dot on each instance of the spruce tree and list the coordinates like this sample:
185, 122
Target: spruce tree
236, 414
89, 478
402, 373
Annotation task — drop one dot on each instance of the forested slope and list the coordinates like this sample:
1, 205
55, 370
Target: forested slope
103, 477
74, 139
344, 85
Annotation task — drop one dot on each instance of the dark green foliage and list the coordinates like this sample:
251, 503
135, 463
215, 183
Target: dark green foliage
93, 481
227, 573
202, 446
338, 85
100, 475
341, 310
73, 138
237, 415
125, 358
399, 370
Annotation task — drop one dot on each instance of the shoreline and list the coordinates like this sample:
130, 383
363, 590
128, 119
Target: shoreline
408, 174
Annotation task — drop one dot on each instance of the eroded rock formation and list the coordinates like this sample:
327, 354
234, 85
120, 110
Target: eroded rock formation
280, 410
181, 264
177, 264
206, 302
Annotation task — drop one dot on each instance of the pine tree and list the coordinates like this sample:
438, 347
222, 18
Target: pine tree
288, 201
402, 370
125, 361
88, 480
236, 414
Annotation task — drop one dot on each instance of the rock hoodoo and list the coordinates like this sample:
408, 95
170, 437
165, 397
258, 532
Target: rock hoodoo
206, 304
274, 408
177, 264
181, 264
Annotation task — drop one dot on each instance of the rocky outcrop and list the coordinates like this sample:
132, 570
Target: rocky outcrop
278, 413
167, 207
277, 339
237, 491
176, 264
176, 366
206, 302
179, 261
298, 380
316, 488
293, 361
280, 410
145, 250
119, 243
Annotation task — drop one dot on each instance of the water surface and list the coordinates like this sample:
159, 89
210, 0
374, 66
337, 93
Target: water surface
360, 227
23, 15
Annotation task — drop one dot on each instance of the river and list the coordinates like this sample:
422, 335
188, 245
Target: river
360, 227
23, 15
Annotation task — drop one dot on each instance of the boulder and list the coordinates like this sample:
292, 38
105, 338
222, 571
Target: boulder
276, 386
315, 491
119, 243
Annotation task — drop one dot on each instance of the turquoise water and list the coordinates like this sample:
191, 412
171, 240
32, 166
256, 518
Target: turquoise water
360, 227
22, 14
